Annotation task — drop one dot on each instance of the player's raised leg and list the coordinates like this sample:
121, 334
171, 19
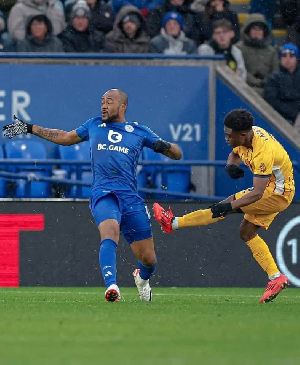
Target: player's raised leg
169, 223
145, 253
263, 256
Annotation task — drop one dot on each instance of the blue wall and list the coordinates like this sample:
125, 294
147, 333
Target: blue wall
167, 99
226, 100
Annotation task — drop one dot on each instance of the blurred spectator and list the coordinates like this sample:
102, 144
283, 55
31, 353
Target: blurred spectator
221, 44
290, 12
265, 7
260, 57
172, 40
129, 34
282, 89
79, 36
193, 24
143, 5
3, 34
198, 5
24, 9
6, 5
39, 37
217, 10
102, 15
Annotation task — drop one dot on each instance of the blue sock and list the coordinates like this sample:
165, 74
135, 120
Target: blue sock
146, 271
107, 260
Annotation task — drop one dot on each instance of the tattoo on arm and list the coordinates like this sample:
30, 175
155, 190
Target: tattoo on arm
47, 133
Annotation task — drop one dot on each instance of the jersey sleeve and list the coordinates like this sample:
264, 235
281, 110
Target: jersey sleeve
263, 164
149, 137
83, 130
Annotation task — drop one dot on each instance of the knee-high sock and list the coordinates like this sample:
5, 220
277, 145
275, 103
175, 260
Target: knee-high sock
200, 217
107, 260
262, 255
146, 271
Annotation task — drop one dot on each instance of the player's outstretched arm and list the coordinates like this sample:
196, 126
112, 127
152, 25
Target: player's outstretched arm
171, 150
54, 135
259, 186
223, 208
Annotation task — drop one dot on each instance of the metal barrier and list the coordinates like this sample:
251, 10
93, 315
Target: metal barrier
80, 165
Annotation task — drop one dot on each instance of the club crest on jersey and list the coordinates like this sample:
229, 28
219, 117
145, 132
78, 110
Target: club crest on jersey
262, 167
129, 128
114, 137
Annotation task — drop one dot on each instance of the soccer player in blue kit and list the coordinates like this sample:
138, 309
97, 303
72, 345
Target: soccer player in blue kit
115, 146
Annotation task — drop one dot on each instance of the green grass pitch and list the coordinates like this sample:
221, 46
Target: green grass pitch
72, 326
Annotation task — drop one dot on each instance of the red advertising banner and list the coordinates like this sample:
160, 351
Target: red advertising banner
10, 227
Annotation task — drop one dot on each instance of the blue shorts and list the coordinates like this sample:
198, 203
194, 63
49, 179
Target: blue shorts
134, 219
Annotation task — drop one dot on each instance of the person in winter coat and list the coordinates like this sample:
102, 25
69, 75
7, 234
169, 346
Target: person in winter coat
129, 34
221, 44
172, 40
144, 6
102, 15
39, 37
79, 36
282, 89
218, 10
290, 14
260, 57
24, 9
194, 27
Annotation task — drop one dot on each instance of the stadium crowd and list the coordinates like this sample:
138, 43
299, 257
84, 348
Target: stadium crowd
170, 27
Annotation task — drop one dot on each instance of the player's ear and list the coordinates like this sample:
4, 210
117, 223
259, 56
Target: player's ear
124, 107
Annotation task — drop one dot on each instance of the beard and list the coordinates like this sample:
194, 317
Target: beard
111, 118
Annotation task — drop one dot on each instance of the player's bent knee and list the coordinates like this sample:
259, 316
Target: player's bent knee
246, 236
149, 259
110, 232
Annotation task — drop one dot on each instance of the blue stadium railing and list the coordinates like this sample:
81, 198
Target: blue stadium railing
81, 165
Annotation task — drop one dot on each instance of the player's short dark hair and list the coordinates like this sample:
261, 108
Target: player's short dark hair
222, 23
239, 120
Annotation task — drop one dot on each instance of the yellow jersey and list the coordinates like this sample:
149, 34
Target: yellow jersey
267, 158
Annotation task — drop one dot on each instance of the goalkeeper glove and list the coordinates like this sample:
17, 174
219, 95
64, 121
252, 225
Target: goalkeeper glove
14, 129
161, 146
234, 171
220, 209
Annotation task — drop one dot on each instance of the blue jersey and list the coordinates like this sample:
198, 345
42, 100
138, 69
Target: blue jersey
115, 150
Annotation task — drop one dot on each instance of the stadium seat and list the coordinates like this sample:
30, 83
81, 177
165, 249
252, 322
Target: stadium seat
76, 152
25, 149
87, 176
3, 192
153, 172
36, 189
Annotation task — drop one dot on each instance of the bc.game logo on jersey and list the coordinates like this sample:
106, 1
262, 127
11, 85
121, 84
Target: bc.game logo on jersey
114, 137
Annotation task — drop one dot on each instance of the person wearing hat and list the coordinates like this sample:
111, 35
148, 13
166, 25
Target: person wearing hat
39, 37
282, 89
218, 10
79, 36
102, 15
261, 59
172, 40
129, 34
194, 27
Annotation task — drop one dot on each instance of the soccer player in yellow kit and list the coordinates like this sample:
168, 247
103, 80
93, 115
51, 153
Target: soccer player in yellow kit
272, 192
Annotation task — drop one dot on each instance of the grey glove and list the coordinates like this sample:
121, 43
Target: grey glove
14, 129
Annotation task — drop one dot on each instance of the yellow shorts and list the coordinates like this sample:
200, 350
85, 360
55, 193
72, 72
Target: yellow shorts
263, 211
